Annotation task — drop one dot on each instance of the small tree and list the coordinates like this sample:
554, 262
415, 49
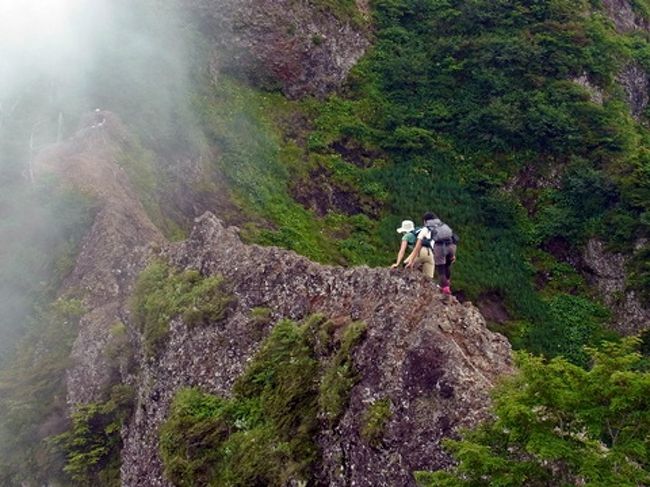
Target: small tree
556, 424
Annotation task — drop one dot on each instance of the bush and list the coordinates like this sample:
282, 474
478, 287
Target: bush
374, 422
558, 424
92, 446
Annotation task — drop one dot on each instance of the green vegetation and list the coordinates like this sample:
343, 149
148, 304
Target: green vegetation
149, 182
559, 424
454, 100
92, 446
40, 443
340, 376
262, 163
346, 10
162, 294
40, 231
581, 321
264, 434
32, 396
375, 420
261, 316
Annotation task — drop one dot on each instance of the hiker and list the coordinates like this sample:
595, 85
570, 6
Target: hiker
422, 253
439, 236
408, 241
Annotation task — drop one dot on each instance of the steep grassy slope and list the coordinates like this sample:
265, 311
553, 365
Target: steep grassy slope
476, 110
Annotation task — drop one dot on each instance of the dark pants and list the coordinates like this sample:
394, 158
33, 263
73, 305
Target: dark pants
444, 256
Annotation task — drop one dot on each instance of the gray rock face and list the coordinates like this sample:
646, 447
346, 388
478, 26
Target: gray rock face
624, 17
595, 93
291, 44
435, 361
636, 83
608, 275
633, 78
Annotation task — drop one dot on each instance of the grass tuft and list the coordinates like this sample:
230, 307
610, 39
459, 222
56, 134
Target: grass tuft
162, 294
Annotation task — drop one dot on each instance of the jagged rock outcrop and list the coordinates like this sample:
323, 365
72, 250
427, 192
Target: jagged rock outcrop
633, 78
607, 272
435, 361
112, 252
299, 46
636, 84
625, 18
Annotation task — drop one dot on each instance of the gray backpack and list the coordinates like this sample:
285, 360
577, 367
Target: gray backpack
440, 232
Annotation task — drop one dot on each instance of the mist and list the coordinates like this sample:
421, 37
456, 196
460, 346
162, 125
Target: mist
59, 60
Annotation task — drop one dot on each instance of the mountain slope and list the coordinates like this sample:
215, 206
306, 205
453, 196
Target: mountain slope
433, 362
429, 363
523, 124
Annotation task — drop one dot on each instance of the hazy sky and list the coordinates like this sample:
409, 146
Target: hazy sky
58, 60
47, 37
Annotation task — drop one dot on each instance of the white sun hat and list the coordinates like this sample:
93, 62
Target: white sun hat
407, 226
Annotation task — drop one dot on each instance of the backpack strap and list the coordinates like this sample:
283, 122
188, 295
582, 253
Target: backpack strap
426, 242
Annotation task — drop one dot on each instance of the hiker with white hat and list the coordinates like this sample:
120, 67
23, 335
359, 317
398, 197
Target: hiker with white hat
421, 256
409, 239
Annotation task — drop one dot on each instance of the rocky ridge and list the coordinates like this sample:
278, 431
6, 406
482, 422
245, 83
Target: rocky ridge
436, 362
113, 251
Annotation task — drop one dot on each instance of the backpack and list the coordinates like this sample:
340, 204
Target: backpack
440, 232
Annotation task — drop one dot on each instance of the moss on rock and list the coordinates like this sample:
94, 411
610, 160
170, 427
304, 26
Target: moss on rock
340, 376
264, 434
163, 293
375, 420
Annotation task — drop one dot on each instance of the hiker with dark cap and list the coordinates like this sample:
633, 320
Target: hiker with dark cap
439, 237
409, 239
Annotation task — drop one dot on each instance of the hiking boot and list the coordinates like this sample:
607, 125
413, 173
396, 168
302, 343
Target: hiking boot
446, 290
